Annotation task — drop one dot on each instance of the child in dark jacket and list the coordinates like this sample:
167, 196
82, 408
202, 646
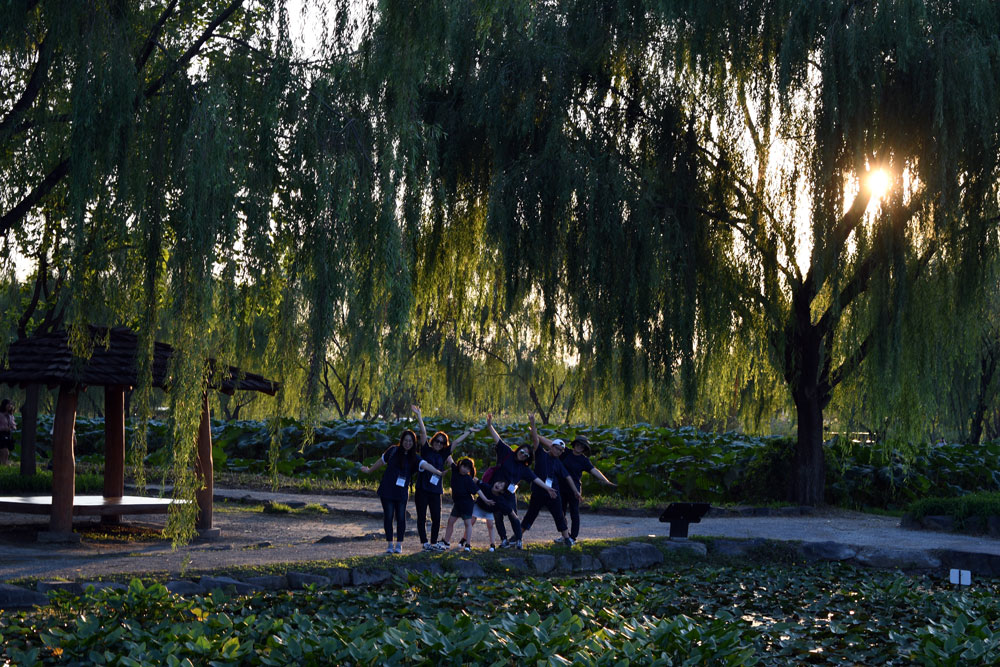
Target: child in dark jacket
464, 490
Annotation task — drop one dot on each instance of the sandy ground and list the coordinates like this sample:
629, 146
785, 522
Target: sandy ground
354, 528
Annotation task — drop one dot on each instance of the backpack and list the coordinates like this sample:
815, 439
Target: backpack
488, 474
492, 470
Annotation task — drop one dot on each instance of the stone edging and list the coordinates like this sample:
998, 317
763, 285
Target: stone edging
626, 557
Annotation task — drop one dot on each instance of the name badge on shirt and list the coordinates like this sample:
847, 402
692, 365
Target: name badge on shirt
548, 482
512, 488
400, 481
434, 480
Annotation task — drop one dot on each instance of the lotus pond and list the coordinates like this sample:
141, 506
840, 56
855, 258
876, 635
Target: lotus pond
692, 614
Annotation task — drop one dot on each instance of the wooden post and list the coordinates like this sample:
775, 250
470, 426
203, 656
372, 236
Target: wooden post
29, 427
205, 473
63, 462
114, 447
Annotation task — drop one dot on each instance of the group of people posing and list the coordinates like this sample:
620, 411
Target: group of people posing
552, 469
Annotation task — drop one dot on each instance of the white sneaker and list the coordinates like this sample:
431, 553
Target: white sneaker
399, 547
467, 547
442, 546
493, 547
429, 547
390, 550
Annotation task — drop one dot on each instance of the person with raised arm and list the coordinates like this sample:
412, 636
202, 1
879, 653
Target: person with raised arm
514, 466
576, 460
401, 463
549, 468
430, 486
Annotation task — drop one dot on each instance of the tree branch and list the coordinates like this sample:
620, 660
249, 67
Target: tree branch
154, 35
31, 90
8, 219
193, 50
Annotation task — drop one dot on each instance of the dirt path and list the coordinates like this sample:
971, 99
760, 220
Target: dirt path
353, 528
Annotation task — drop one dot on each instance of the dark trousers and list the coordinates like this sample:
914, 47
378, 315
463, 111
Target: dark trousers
572, 506
428, 501
540, 499
394, 509
515, 523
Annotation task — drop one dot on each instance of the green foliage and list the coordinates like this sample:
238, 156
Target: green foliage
11, 482
970, 511
694, 614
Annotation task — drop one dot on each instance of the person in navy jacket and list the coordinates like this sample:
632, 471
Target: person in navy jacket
430, 486
576, 461
515, 467
551, 470
401, 463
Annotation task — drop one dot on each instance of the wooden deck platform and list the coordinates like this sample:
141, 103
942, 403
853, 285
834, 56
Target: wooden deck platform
97, 505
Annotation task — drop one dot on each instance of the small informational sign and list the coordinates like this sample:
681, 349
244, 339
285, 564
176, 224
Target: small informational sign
961, 577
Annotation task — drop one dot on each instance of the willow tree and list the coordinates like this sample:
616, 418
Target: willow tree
188, 176
689, 181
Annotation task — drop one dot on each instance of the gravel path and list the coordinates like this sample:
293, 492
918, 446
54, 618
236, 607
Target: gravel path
354, 527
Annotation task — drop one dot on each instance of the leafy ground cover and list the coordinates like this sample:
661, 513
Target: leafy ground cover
693, 614
650, 464
970, 512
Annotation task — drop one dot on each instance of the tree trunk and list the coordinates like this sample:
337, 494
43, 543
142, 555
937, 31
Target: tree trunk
809, 465
29, 428
806, 369
987, 369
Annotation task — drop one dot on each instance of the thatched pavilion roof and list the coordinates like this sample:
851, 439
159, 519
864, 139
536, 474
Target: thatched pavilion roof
48, 359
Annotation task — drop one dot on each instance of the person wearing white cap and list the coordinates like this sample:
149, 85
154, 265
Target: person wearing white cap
549, 469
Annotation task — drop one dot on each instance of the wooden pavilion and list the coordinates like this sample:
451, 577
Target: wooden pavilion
49, 360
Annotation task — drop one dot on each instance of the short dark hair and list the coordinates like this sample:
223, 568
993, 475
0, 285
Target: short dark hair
466, 461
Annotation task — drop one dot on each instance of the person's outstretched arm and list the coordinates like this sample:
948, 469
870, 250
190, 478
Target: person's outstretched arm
465, 434
420, 420
535, 438
489, 425
600, 475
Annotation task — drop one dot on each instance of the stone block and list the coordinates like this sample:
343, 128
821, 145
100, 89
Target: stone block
981, 564
902, 559
67, 586
686, 548
828, 551
229, 585
468, 569
586, 563
184, 587
339, 576
644, 555
514, 564
299, 580
564, 565
938, 522
361, 577
735, 548
16, 597
269, 582
543, 563
635, 555
104, 585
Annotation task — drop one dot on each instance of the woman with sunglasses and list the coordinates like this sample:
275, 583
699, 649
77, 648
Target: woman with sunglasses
430, 486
